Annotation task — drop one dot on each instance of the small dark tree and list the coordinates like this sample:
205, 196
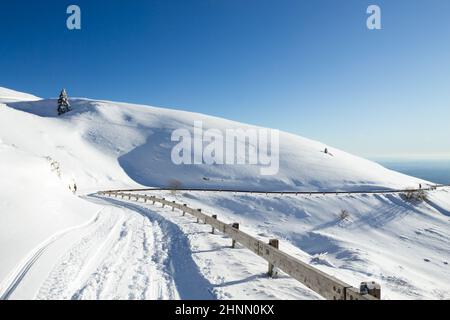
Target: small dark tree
63, 103
344, 215
174, 186
415, 196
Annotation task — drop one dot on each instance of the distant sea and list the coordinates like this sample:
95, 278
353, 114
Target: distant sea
437, 171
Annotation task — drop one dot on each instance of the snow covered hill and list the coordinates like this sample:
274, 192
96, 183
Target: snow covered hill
104, 145
8, 95
108, 144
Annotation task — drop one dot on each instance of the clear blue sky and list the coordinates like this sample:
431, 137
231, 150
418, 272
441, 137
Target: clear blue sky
307, 67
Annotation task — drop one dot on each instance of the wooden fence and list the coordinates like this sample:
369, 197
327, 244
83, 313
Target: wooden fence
325, 285
296, 193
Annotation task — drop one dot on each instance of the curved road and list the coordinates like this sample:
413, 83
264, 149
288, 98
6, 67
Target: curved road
125, 252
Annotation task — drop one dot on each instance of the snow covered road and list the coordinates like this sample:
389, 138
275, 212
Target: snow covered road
119, 259
122, 254
201, 260
133, 251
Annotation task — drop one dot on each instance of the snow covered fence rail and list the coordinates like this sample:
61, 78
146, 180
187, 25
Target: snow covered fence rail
384, 191
318, 281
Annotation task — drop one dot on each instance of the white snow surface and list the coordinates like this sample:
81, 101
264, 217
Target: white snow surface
401, 245
57, 245
8, 95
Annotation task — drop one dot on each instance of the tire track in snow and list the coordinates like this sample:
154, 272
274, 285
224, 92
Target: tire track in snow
18, 275
129, 255
171, 257
130, 270
100, 279
66, 275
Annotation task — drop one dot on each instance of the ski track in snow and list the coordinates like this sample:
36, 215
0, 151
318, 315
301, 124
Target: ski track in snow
123, 258
34, 257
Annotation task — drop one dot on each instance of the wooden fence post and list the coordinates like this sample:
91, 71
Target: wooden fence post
371, 288
272, 269
184, 212
199, 210
214, 216
235, 225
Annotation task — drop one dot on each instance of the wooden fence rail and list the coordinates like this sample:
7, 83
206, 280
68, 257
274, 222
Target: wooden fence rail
325, 285
426, 187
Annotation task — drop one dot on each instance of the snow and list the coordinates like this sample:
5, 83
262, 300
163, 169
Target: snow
57, 245
401, 245
28, 183
140, 154
8, 95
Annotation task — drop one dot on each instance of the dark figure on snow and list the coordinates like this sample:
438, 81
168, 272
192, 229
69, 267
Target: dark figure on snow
326, 151
73, 188
63, 103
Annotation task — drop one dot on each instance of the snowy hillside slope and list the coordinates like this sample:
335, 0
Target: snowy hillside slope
8, 95
106, 145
